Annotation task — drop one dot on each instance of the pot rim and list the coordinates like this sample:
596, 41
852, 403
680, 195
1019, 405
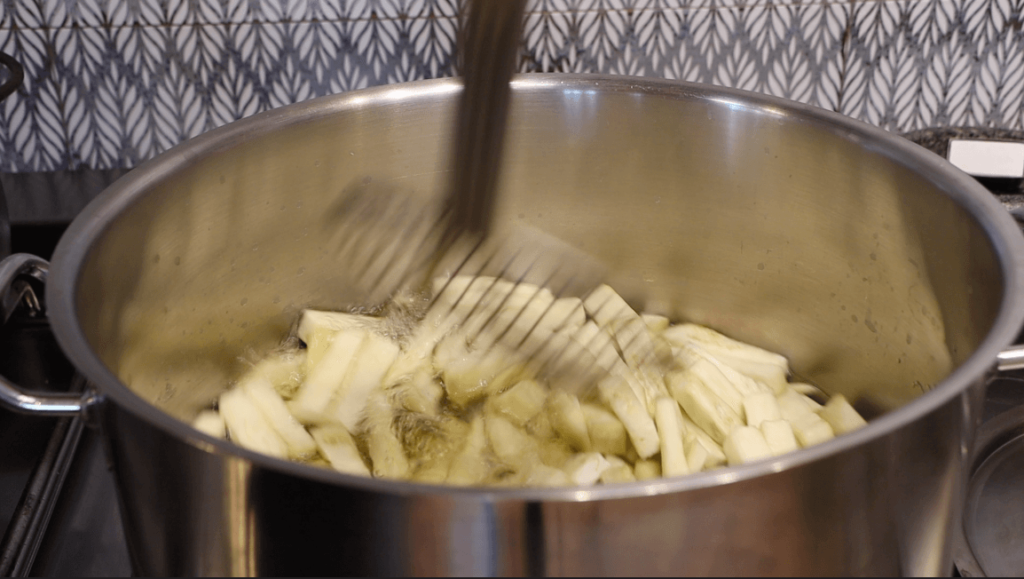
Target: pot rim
1005, 237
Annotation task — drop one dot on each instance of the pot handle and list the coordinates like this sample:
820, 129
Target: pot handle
17, 274
1011, 358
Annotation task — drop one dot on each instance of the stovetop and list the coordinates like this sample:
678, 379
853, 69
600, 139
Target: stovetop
58, 499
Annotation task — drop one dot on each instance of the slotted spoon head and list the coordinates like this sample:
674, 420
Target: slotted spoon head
387, 240
526, 299
390, 241
385, 236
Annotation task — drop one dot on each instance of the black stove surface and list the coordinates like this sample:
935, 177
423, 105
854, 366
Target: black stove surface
83, 536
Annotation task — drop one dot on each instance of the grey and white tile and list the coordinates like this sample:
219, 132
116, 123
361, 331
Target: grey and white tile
113, 82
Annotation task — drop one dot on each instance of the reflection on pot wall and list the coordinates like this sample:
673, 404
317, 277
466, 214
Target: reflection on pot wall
110, 83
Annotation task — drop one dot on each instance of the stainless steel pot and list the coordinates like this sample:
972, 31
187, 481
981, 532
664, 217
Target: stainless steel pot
880, 270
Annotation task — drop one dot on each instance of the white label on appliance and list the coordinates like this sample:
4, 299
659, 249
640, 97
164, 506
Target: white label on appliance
988, 158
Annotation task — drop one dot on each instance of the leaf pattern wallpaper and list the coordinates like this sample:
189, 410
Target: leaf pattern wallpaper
111, 83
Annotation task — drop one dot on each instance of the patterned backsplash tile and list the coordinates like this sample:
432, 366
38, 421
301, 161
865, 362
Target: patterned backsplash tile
912, 64
110, 83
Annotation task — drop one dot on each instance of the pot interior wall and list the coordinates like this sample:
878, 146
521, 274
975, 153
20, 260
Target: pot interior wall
774, 227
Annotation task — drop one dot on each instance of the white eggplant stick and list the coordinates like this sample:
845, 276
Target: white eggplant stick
639, 424
209, 422
262, 393
746, 444
311, 401
338, 447
673, 458
375, 356
248, 426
